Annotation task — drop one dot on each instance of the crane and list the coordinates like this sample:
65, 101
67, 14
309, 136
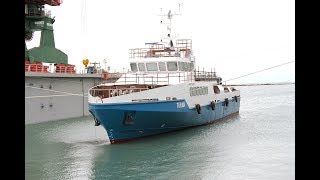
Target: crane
37, 18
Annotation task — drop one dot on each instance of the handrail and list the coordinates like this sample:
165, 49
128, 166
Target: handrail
166, 78
182, 49
37, 12
156, 78
36, 68
112, 92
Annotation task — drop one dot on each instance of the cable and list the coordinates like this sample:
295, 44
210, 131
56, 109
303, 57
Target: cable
248, 74
259, 71
63, 93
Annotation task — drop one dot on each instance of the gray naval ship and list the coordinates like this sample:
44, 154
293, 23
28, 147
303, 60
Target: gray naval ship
54, 89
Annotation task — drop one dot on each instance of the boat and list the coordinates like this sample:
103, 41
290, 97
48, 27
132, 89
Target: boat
54, 89
162, 92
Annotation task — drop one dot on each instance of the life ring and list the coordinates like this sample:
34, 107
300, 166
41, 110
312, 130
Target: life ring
236, 98
227, 101
213, 105
198, 107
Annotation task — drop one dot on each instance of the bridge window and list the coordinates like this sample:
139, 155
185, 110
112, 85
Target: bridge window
134, 67
190, 66
172, 66
182, 66
152, 66
216, 89
141, 67
226, 90
162, 66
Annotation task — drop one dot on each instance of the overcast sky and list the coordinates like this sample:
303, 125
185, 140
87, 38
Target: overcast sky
236, 37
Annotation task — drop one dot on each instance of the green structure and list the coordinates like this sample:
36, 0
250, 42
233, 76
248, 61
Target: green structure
37, 18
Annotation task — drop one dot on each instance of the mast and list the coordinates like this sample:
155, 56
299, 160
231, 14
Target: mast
168, 24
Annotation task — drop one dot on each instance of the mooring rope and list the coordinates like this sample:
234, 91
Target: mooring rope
63, 93
259, 71
248, 74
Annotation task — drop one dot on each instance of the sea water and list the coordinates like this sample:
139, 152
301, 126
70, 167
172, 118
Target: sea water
259, 143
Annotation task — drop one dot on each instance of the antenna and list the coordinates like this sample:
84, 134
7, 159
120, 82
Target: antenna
169, 16
180, 4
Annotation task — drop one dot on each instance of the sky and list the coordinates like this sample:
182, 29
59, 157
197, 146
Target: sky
234, 37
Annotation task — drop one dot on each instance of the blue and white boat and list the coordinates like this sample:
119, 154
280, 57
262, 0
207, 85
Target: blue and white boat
163, 92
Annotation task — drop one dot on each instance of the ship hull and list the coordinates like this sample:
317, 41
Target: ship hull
128, 121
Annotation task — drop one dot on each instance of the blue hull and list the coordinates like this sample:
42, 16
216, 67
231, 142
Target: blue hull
126, 121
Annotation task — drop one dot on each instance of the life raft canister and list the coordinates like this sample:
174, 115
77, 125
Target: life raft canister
213, 105
227, 102
198, 107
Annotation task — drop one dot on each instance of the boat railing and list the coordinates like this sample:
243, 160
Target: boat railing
36, 68
182, 49
62, 68
37, 12
203, 74
130, 83
165, 78
39, 67
114, 75
156, 78
115, 91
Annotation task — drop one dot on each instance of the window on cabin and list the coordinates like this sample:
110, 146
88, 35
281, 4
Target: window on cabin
162, 66
152, 66
201, 91
172, 66
190, 66
205, 90
134, 67
226, 90
182, 66
197, 93
141, 67
191, 91
186, 66
216, 89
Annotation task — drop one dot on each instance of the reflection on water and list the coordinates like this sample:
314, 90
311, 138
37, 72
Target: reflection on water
63, 149
256, 144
